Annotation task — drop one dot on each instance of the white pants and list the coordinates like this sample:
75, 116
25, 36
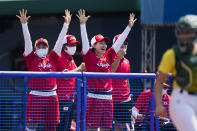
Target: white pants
183, 110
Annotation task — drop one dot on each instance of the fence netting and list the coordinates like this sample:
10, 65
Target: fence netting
82, 101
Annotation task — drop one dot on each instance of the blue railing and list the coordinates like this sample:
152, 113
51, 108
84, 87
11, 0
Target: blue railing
81, 92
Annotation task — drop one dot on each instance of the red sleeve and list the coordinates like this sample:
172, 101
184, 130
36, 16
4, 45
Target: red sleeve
139, 101
143, 100
54, 57
29, 58
111, 54
87, 57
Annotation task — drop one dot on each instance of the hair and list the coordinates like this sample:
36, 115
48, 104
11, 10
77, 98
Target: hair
93, 49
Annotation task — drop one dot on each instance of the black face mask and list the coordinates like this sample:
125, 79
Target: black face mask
185, 47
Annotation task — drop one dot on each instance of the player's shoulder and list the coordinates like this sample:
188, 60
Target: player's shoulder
126, 59
169, 52
110, 50
168, 55
31, 56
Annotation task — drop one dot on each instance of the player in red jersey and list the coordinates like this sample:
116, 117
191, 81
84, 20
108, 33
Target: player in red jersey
99, 113
66, 87
121, 90
42, 103
144, 100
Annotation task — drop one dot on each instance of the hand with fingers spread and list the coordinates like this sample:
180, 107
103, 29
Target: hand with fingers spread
67, 17
132, 20
23, 16
82, 17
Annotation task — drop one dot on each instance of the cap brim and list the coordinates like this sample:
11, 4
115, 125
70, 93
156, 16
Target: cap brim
74, 42
41, 43
107, 40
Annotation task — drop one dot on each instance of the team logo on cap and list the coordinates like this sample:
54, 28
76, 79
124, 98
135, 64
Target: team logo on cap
100, 36
72, 38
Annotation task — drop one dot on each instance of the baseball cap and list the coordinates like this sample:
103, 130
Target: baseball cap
98, 38
116, 37
41, 40
70, 40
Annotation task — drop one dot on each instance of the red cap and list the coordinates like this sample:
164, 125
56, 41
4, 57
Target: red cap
98, 38
70, 40
41, 40
116, 37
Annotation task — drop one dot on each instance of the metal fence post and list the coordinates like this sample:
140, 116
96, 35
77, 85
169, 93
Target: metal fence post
83, 117
152, 106
25, 102
78, 103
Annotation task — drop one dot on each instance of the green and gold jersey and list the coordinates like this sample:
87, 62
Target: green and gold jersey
182, 66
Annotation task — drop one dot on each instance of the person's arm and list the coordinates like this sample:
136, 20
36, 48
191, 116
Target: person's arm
137, 115
161, 78
83, 19
167, 65
27, 38
78, 69
114, 66
59, 43
116, 46
136, 110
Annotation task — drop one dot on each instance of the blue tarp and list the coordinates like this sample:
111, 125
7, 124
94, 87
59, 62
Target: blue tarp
163, 12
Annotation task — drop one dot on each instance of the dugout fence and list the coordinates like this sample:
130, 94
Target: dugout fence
14, 87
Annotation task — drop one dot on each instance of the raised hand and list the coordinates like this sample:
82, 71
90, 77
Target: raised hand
67, 17
132, 20
121, 53
81, 15
23, 16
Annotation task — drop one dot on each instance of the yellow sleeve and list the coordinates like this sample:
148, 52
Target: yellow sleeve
167, 64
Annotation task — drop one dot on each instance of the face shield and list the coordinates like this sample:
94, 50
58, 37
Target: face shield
185, 38
186, 32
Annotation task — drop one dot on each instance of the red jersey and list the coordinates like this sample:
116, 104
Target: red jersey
48, 64
121, 91
65, 86
143, 101
95, 64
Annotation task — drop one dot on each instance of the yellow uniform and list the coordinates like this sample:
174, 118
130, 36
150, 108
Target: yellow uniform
167, 64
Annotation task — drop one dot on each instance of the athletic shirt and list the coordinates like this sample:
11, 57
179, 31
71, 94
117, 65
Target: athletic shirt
48, 64
65, 86
170, 62
95, 64
121, 90
144, 99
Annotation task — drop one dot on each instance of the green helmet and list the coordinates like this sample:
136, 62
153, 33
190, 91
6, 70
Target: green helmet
186, 32
187, 22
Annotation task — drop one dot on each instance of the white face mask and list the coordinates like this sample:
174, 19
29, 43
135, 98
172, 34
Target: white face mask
42, 53
71, 50
164, 91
